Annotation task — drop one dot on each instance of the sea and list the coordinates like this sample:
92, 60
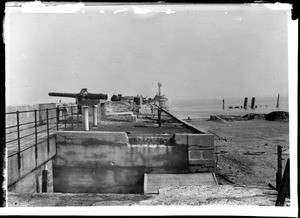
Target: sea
203, 108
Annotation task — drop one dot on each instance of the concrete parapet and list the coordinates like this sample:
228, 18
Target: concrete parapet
91, 138
201, 140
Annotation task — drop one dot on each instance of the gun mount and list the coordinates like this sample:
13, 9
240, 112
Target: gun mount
82, 98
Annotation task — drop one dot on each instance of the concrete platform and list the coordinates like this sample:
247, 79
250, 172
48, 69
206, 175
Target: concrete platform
154, 182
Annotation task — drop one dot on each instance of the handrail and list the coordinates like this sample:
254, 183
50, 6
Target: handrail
59, 121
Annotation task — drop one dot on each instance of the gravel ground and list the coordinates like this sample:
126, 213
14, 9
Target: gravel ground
249, 155
182, 195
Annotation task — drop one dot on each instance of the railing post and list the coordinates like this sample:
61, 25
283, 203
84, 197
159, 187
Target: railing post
48, 142
57, 117
35, 130
77, 117
19, 143
279, 167
65, 117
72, 116
159, 117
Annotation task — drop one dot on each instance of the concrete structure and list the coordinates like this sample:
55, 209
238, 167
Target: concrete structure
111, 158
51, 113
105, 162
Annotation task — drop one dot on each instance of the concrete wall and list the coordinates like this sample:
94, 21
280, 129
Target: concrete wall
104, 162
22, 180
201, 151
32, 182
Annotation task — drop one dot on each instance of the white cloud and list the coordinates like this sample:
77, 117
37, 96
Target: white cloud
39, 7
138, 10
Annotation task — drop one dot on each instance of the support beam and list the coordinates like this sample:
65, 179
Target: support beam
94, 115
86, 117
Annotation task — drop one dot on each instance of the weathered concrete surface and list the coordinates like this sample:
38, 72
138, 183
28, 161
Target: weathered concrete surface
181, 195
96, 138
32, 182
154, 182
29, 161
200, 140
103, 162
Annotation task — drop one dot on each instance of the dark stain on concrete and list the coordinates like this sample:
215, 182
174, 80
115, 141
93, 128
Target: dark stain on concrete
93, 141
99, 156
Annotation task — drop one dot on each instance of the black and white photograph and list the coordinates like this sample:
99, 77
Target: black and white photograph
150, 109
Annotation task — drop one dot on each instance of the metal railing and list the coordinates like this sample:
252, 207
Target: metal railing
39, 130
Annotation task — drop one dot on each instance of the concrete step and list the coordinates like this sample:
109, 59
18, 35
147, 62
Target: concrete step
154, 182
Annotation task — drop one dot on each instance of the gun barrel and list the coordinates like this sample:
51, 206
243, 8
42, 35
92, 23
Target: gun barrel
73, 95
58, 94
96, 96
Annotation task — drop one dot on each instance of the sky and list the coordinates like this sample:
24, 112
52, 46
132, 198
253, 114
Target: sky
196, 51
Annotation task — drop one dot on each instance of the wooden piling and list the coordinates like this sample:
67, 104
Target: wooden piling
223, 104
284, 190
279, 166
253, 102
245, 103
277, 104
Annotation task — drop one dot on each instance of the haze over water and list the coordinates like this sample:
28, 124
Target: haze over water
206, 107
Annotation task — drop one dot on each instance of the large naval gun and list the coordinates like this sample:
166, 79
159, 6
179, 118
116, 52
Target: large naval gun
82, 98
